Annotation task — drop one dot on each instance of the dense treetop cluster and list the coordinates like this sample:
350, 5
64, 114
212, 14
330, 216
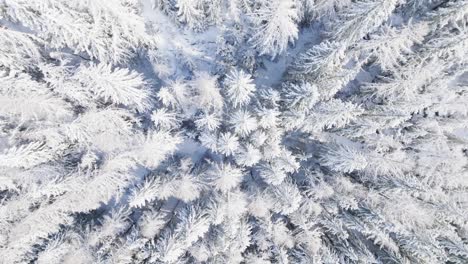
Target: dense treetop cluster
233, 131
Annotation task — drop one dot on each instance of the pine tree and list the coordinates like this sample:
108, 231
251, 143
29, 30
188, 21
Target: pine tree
275, 26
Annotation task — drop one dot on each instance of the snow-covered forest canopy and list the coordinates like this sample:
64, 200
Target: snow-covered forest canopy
233, 131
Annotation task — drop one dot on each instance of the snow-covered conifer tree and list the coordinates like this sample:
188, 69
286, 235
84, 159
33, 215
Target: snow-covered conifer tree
275, 26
